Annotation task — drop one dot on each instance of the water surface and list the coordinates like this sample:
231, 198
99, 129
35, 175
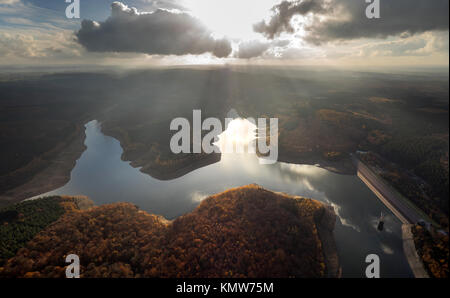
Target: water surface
101, 175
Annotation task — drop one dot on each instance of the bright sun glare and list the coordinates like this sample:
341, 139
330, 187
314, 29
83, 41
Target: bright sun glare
240, 132
231, 18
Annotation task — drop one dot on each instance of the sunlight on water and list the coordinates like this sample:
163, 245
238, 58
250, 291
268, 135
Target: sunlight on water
102, 175
239, 137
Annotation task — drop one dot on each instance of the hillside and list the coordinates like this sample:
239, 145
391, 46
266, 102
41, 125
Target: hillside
21, 222
243, 232
432, 248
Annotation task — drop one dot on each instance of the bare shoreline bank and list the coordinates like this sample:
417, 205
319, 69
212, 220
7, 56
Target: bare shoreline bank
56, 174
325, 227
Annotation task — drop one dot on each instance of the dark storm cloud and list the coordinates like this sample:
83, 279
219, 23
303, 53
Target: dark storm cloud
161, 32
284, 12
350, 22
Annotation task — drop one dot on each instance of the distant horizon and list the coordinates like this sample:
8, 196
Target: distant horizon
89, 68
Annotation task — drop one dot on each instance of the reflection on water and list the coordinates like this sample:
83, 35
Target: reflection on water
238, 137
103, 176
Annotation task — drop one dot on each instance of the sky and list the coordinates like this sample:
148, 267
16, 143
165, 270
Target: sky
274, 32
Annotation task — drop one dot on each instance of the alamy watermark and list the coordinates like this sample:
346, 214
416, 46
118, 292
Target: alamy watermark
373, 9
73, 9
373, 269
73, 269
253, 136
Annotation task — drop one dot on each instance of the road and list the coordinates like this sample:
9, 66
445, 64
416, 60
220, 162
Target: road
405, 213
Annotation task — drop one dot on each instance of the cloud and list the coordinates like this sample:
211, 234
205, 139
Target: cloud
18, 45
9, 2
283, 14
167, 4
338, 20
250, 49
27, 14
37, 44
293, 53
161, 32
18, 21
417, 45
255, 48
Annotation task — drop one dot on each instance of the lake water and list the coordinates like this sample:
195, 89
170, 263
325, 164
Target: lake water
101, 175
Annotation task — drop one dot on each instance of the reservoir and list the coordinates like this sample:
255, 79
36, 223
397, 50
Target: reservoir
101, 175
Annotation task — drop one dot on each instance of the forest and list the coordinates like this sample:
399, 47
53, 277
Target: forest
243, 232
21, 222
430, 198
425, 156
432, 247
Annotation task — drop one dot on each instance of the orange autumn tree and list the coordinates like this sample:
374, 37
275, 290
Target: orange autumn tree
243, 232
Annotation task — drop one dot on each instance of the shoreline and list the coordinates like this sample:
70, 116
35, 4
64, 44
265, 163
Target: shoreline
56, 174
410, 250
319, 221
343, 166
325, 228
146, 166
196, 164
